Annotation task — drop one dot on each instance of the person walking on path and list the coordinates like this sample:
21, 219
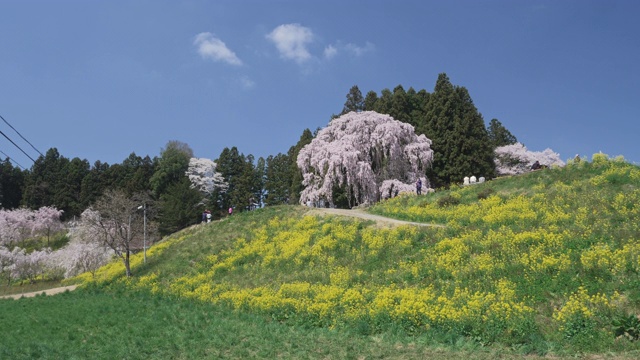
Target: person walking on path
419, 186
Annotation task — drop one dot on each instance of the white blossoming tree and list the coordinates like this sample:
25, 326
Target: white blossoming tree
7, 262
79, 256
86, 251
204, 177
516, 159
28, 266
357, 152
15, 226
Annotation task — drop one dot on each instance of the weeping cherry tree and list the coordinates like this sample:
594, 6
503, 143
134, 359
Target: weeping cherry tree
357, 152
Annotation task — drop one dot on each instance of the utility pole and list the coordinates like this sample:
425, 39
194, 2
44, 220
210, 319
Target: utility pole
144, 243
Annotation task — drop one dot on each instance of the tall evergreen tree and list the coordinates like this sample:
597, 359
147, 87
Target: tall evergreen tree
171, 167
355, 101
278, 179
399, 108
260, 173
41, 180
94, 184
499, 135
460, 141
178, 206
417, 107
246, 192
295, 172
239, 172
383, 105
68, 196
11, 184
370, 101
170, 184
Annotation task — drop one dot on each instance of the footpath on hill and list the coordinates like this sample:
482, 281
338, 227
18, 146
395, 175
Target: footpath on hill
46, 292
357, 213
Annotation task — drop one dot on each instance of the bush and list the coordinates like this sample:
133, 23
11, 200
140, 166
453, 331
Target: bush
485, 193
448, 200
627, 326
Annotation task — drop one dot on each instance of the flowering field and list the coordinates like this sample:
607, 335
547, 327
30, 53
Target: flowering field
550, 257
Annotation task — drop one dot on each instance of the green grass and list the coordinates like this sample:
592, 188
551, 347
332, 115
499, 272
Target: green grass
92, 324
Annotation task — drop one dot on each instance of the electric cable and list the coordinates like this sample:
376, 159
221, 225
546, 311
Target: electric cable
14, 129
15, 162
16, 145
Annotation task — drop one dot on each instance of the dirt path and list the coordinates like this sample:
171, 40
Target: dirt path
47, 292
366, 216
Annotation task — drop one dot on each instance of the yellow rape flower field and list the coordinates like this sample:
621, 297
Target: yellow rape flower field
547, 260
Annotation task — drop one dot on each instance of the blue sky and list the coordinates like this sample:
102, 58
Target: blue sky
101, 79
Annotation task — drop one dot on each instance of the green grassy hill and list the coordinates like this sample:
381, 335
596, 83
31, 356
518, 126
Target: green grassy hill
546, 262
538, 262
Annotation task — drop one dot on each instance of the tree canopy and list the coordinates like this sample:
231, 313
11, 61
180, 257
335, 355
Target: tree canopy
356, 153
499, 135
355, 101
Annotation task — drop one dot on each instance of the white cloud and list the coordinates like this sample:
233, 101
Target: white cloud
330, 52
291, 41
360, 50
210, 47
247, 83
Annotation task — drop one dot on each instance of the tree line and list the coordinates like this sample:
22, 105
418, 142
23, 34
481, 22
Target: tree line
73, 185
461, 142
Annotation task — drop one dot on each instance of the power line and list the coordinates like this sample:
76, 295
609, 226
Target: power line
16, 145
9, 157
14, 129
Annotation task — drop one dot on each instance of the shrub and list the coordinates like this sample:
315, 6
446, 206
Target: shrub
627, 326
448, 200
485, 193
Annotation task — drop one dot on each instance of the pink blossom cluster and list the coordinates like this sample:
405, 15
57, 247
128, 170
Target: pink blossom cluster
359, 151
21, 224
84, 252
516, 159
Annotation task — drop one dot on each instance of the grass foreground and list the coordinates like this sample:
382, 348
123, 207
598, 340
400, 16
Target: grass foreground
94, 324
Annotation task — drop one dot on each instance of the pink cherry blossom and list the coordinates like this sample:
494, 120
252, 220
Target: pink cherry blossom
516, 159
359, 151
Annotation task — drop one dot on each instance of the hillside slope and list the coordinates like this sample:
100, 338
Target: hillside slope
550, 257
